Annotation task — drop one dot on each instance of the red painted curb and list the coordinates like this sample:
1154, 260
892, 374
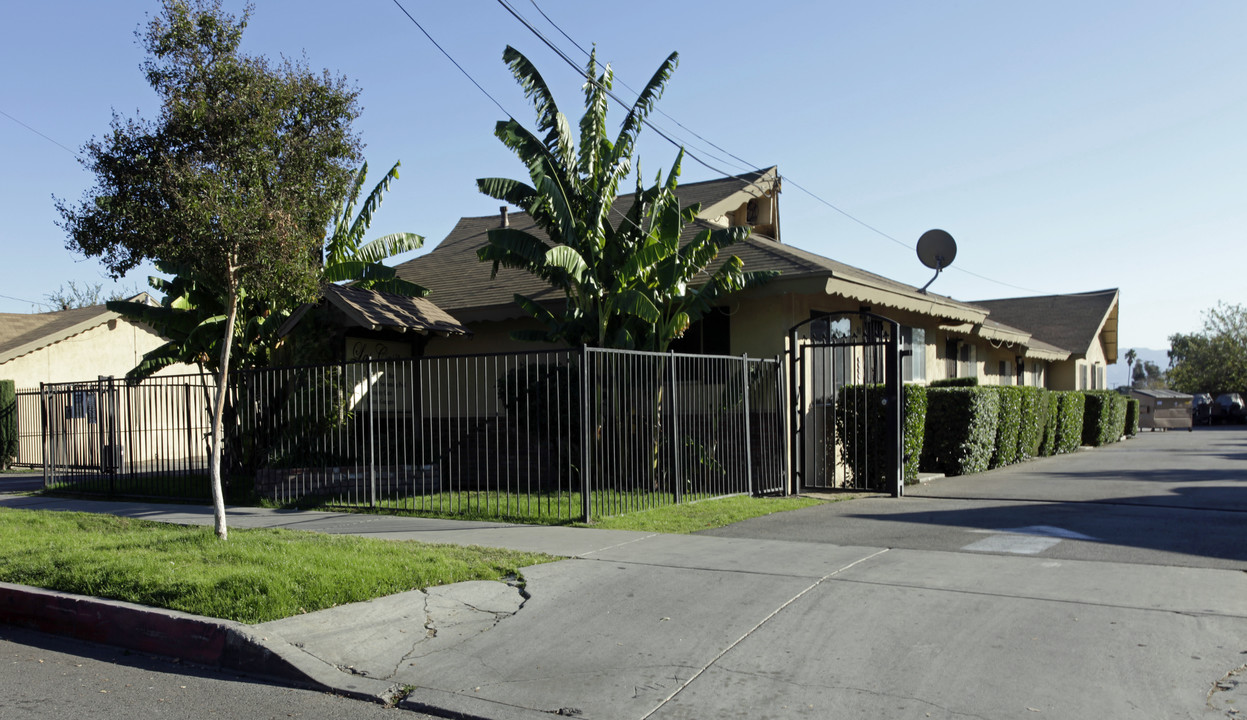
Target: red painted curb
116, 623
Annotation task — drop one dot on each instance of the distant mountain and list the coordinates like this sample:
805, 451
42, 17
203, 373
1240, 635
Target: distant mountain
1117, 373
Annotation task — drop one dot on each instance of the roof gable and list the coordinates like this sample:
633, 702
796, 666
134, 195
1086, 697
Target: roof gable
461, 283
24, 333
1073, 322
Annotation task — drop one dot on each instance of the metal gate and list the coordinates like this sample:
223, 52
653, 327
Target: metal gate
80, 430
844, 371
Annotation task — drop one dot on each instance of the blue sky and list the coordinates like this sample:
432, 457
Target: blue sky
1068, 146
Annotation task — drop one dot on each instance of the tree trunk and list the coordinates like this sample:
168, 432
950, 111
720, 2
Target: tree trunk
218, 415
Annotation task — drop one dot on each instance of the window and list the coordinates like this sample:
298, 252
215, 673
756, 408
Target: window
1082, 377
1100, 374
968, 365
913, 354
950, 358
711, 335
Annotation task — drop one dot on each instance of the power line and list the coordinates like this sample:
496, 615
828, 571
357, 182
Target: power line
610, 93
747, 164
45, 137
10, 297
452, 60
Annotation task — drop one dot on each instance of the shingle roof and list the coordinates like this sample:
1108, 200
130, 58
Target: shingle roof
24, 333
461, 283
1071, 321
377, 310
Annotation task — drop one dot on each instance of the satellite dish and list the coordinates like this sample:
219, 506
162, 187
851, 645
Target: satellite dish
936, 250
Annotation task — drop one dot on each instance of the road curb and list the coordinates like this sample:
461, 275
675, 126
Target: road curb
210, 642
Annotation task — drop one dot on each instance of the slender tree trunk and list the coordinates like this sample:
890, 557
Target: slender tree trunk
218, 415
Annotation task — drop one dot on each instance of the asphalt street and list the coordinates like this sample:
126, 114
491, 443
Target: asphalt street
1111, 583
1173, 498
50, 677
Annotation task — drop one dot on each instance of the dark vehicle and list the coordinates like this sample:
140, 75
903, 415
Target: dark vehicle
1229, 408
1201, 409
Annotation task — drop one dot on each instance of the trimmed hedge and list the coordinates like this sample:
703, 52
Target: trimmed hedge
1071, 406
960, 430
8, 423
1104, 417
858, 408
955, 382
1132, 417
914, 426
1052, 422
1008, 427
1034, 410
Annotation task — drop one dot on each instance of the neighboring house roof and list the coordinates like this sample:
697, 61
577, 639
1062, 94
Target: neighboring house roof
1073, 322
375, 310
24, 333
1160, 394
461, 283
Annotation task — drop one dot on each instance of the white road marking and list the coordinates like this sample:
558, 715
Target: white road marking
1016, 544
1030, 540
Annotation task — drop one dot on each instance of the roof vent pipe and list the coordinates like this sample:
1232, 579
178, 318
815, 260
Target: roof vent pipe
506, 222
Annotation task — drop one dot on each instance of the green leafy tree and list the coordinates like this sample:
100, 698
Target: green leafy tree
630, 284
1148, 375
235, 181
192, 312
1215, 359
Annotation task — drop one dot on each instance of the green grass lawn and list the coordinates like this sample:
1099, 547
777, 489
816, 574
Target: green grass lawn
702, 515
255, 576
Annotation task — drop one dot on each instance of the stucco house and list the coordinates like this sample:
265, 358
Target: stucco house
1084, 324
71, 345
942, 337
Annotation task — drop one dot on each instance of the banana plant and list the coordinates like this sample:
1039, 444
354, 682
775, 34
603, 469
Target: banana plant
631, 284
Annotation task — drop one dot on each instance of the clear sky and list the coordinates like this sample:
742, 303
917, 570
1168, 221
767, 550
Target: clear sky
1068, 146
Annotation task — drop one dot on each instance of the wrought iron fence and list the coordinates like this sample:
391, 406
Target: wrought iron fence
29, 429
566, 434
149, 439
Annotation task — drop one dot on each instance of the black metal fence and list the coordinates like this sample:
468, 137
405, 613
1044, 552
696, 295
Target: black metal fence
566, 434
29, 429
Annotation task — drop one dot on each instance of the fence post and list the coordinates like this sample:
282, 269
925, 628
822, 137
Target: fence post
678, 480
372, 438
586, 435
46, 434
744, 363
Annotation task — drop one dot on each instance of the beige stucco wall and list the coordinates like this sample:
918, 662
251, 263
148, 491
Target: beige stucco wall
112, 348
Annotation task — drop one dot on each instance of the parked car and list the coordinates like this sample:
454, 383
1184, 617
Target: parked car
1229, 408
1201, 409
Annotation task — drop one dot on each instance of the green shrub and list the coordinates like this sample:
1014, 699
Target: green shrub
955, 382
960, 430
1034, 412
1132, 417
914, 424
8, 423
1052, 421
1104, 417
1008, 427
861, 407
1070, 409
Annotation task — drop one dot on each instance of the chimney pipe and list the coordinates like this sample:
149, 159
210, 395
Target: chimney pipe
506, 222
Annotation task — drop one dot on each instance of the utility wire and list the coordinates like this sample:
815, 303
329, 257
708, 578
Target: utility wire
45, 137
452, 60
746, 164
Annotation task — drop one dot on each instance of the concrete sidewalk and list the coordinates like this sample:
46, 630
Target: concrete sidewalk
634, 625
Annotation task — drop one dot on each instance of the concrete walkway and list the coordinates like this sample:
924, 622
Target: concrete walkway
635, 626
